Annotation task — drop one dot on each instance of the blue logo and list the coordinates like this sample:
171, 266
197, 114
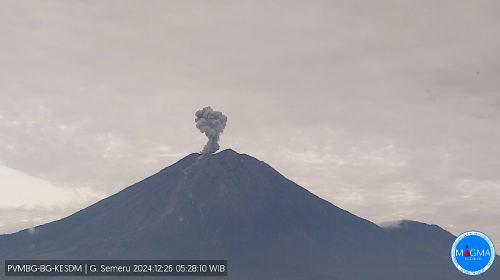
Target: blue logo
472, 252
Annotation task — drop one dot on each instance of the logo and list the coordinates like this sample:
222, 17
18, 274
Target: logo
472, 252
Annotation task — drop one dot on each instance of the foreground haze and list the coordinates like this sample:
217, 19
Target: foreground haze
387, 109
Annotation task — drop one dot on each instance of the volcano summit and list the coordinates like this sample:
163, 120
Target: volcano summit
230, 206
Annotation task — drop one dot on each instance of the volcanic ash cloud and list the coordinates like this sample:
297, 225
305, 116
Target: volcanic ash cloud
212, 123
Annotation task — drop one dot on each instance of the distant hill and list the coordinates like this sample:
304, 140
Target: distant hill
235, 207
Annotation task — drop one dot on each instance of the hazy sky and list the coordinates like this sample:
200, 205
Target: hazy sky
388, 109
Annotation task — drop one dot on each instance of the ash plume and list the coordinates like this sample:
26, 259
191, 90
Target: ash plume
212, 123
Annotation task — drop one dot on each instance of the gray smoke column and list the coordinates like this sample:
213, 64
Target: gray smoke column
212, 123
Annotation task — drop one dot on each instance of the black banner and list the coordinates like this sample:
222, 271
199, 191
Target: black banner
116, 268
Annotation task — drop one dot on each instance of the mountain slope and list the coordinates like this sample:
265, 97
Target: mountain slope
235, 207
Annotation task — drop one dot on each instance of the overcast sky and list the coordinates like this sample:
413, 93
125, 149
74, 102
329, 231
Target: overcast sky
388, 109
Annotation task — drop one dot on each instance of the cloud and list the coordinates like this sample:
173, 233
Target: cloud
391, 224
14, 219
389, 110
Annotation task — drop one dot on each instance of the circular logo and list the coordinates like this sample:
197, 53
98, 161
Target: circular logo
472, 252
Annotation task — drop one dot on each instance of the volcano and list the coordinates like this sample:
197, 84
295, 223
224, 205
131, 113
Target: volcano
233, 207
